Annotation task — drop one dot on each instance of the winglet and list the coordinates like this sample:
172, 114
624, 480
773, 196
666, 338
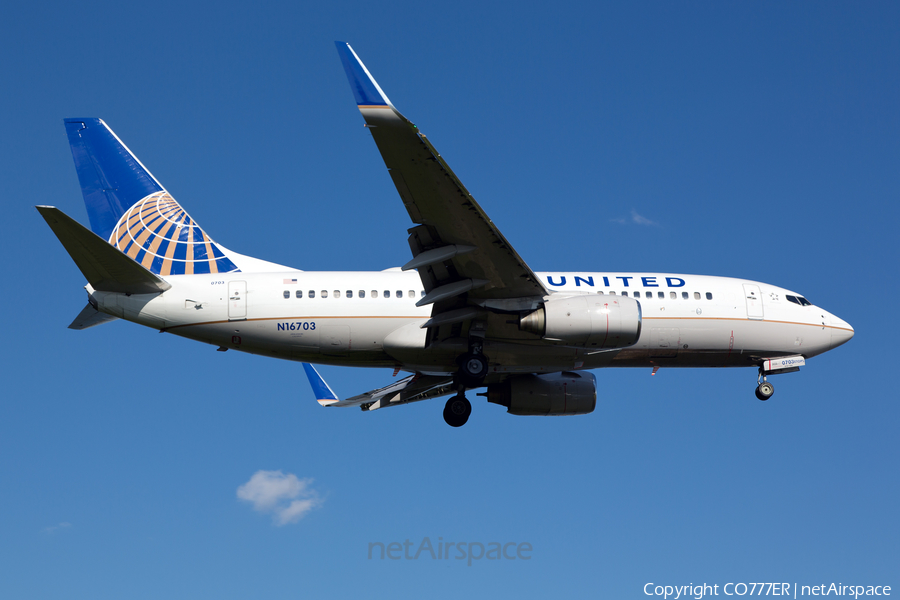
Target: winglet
324, 394
365, 89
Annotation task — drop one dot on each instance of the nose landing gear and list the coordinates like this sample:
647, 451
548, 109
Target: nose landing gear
765, 389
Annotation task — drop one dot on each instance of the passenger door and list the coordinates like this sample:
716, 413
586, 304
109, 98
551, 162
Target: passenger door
754, 301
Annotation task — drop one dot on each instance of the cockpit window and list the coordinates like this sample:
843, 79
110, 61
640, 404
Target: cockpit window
798, 300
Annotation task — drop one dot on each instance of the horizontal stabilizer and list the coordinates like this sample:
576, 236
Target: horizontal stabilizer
105, 267
91, 317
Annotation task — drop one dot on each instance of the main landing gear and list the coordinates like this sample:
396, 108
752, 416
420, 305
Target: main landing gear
457, 410
765, 389
473, 367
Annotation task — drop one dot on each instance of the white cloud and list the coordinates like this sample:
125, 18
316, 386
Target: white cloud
286, 497
636, 219
52, 528
641, 220
295, 511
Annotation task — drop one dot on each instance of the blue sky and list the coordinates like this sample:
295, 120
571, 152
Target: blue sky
751, 140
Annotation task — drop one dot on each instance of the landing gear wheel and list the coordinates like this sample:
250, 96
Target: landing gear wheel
765, 390
457, 411
472, 369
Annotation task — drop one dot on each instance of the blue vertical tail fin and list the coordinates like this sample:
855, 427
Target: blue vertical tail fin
112, 179
130, 209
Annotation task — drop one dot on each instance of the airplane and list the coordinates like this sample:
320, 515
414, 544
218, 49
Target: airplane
466, 312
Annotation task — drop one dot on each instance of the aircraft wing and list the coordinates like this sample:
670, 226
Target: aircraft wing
461, 256
409, 389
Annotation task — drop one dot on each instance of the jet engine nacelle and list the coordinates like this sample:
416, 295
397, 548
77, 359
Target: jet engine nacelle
546, 395
589, 320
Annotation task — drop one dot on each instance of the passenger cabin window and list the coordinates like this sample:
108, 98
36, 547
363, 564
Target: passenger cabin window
684, 295
374, 293
362, 293
673, 295
324, 293
612, 293
337, 293
696, 295
624, 293
411, 294
299, 293
312, 294
349, 293
287, 293
648, 294
600, 292
709, 295
422, 293
387, 293
661, 295
399, 294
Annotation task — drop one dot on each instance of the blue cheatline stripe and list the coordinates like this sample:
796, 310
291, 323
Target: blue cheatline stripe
320, 388
112, 180
365, 90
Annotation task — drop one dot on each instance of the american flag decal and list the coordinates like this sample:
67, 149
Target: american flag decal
287, 281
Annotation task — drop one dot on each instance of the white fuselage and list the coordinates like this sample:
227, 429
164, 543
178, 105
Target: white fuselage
371, 319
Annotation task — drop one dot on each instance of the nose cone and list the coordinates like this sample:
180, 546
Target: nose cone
841, 331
